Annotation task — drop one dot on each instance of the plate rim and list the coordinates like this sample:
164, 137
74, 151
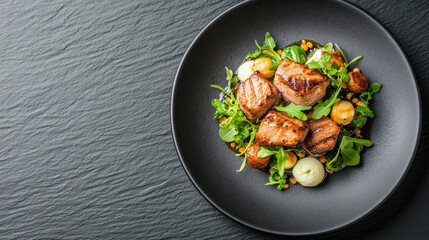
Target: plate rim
338, 227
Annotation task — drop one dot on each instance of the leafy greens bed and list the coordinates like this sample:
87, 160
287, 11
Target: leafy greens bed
342, 102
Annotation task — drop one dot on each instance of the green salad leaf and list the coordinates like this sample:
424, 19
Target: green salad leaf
227, 133
295, 53
294, 110
278, 176
349, 149
236, 128
336, 76
254, 54
365, 111
265, 152
278, 152
324, 108
365, 97
276, 179
359, 121
269, 41
269, 45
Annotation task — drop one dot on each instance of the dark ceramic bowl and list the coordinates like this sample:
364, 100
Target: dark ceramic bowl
344, 197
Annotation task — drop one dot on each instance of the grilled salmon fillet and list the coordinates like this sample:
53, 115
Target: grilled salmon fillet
299, 84
278, 128
322, 136
336, 58
256, 95
252, 157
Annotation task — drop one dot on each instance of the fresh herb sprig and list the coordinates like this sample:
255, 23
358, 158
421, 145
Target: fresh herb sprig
349, 149
269, 45
279, 153
278, 173
335, 75
277, 176
293, 52
236, 128
276, 179
365, 97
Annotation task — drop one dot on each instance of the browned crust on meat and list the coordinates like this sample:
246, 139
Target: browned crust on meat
251, 104
306, 80
278, 128
299, 84
357, 83
252, 157
321, 147
322, 136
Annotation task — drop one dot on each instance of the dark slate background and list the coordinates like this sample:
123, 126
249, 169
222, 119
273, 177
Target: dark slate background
86, 146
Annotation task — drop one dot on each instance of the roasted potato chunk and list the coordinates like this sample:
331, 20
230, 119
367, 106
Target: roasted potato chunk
252, 157
358, 82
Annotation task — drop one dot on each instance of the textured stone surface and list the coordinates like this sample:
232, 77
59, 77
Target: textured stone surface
86, 143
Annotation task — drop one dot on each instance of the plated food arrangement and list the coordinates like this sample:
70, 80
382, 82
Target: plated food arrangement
297, 113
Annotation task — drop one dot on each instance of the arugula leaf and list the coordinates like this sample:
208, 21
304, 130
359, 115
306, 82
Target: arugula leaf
365, 142
324, 108
294, 110
319, 61
328, 48
314, 65
342, 73
366, 97
349, 149
221, 109
281, 159
265, 152
295, 53
269, 41
276, 179
359, 121
365, 111
277, 176
279, 153
254, 54
253, 131
269, 45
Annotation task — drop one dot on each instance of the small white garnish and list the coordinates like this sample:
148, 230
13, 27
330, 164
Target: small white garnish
245, 70
317, 56
309, 172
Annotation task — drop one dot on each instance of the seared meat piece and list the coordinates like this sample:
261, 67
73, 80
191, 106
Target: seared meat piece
322, 136
278, 128
256, 96
299, 84
358, 82
252, 157
336, 58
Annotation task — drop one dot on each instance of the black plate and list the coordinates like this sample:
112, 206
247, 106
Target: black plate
346, 196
